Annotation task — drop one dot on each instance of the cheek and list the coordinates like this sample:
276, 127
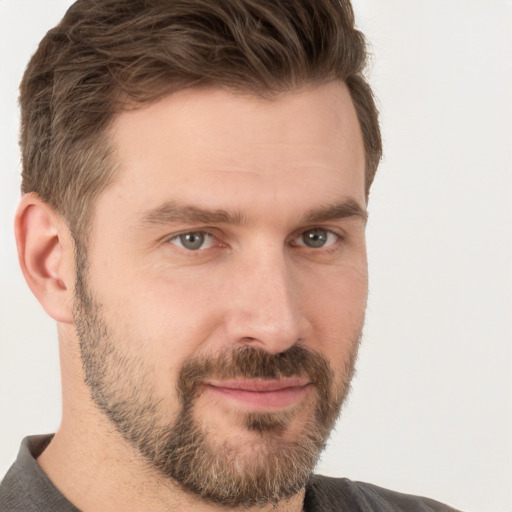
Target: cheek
338, 295
337, 305
172, 320
156, 320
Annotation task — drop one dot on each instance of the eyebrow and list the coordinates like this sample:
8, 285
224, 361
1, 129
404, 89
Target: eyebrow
174, 212
336, 211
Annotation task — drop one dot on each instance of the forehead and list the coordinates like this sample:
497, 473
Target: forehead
218, 147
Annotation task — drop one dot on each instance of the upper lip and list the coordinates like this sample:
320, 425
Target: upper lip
260, 385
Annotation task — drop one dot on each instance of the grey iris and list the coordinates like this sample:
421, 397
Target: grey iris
315, 238
192, 241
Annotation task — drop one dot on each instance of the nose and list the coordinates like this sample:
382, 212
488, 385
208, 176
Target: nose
266, 309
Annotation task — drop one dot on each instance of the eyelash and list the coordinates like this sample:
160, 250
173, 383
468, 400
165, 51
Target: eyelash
329, 233
203, 232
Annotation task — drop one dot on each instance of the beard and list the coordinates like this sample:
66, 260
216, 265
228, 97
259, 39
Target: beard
270, 468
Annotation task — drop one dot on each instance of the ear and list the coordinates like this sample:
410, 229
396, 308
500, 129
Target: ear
46, 256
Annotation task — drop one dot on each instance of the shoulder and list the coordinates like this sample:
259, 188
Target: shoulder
324, 494
13, 494
15, 488
26, 488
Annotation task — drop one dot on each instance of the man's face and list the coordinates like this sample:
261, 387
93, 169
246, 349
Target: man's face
222, 298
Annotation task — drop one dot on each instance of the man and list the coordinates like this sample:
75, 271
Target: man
195, 179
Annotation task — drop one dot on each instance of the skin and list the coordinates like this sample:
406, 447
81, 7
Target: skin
254, 282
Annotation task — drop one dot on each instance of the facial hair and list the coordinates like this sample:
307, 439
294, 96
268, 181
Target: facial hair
273, 469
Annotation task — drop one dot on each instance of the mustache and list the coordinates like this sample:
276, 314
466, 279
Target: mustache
254, 363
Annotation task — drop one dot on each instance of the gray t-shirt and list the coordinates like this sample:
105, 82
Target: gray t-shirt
26, 488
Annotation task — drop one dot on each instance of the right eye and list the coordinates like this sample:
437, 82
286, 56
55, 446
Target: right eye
194, 240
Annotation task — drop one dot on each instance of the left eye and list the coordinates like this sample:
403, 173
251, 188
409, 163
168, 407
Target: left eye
316, 238
193, 241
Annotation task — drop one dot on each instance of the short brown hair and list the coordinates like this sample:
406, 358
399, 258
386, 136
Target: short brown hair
107, 54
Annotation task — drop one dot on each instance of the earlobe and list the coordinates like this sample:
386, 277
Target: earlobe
46, 256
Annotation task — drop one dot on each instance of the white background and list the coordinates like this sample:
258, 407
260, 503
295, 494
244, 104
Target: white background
431, 408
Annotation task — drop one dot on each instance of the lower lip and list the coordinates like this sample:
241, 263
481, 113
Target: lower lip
262, 400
